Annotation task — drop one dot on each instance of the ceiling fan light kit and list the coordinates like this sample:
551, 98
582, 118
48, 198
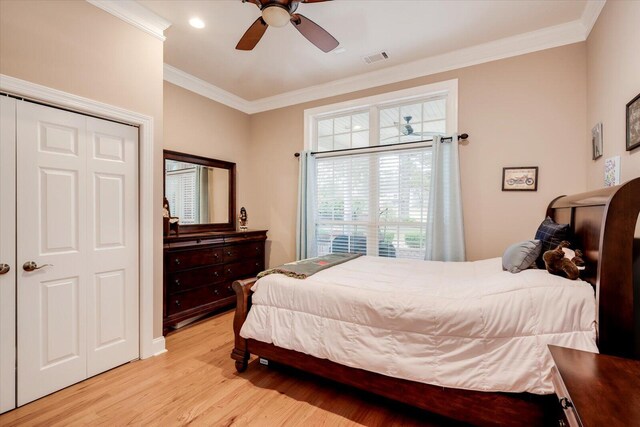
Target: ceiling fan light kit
277, 13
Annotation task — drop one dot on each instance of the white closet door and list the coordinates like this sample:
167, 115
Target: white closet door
112, 315
52, 223
7, 254
77, 208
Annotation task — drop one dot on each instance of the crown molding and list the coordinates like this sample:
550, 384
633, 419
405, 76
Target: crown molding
135, 14
545, 38
199, 86
590, 15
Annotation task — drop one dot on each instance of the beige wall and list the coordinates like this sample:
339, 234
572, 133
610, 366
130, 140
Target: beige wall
528, 110
197, 125
613, 79
77, 48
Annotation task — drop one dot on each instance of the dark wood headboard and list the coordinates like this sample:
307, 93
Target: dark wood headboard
603, 223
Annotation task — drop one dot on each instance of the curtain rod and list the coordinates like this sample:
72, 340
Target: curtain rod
461, 137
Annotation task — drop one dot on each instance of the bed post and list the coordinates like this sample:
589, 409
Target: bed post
240, 352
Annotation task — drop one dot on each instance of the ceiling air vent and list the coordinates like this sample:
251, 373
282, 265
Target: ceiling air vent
376, 57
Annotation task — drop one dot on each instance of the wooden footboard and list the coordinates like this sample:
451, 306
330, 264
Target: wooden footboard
240, 351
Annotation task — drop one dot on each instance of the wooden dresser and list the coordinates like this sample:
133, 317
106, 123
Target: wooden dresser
200, 267
596, 389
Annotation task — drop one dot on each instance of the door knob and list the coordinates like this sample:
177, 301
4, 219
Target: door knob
4, 268
32, 266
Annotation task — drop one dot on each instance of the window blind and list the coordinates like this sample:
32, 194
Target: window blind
374, 203
181, 191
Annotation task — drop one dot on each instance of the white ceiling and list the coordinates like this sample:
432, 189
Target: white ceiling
284, 61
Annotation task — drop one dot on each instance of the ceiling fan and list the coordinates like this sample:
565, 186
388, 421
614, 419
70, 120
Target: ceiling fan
406, 130
277, 13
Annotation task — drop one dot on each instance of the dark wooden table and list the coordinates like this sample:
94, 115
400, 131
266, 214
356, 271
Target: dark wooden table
597, 390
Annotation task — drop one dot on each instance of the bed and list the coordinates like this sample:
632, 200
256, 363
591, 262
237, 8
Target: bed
465, 350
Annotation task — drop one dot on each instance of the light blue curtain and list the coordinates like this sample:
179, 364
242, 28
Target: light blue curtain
445, 229
305, 231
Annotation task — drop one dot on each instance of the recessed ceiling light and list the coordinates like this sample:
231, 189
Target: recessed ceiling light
339, 50
196, 22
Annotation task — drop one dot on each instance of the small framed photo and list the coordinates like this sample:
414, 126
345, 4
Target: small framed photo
633, 123
612, 171
596, 141
523, 178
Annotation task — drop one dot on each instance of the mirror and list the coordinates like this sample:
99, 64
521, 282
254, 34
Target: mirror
200, 191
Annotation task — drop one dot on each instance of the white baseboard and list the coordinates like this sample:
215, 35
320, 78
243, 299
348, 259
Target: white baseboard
158, 346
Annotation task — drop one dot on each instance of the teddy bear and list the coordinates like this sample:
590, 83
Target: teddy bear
557, 263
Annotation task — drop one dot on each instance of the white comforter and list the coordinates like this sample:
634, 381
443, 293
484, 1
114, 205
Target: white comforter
464, 325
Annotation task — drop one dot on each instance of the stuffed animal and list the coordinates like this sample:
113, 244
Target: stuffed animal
556, 262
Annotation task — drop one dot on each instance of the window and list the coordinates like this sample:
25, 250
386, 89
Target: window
375, 200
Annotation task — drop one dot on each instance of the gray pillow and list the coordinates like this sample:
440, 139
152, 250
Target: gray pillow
521, 256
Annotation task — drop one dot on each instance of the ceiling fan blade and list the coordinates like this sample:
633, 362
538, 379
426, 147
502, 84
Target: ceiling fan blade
314, 33
253, 35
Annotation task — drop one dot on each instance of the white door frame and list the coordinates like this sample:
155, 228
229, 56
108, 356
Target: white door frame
149, 346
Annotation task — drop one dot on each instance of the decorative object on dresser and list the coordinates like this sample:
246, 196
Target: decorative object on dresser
595, 389
633, 123
243, 220
199, 269
169, 222
523, 178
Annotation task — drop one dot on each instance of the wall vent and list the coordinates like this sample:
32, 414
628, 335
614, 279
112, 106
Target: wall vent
380, 56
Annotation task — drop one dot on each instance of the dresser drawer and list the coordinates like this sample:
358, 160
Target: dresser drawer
194, 258
196, 297
244, 251
185, 280
564, 399
241, 269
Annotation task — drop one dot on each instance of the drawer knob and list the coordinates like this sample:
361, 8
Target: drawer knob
216, 256
177, 281
229, 288
565, 403
229, 270
215, 273
257, 264
215, 291
178, 303
257, 248
177, 261
229, 253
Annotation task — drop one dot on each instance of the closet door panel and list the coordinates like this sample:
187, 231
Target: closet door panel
112, 257
51, 230
7, 253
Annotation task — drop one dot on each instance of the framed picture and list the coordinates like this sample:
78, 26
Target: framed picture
596, 141
612, 171
633, 123
523, 178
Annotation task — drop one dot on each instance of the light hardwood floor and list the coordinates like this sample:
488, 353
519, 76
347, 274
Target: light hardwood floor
195, 382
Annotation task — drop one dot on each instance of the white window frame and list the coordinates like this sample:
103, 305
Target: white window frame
447, 89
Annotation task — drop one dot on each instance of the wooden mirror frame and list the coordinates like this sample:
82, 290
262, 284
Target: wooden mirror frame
205, 161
